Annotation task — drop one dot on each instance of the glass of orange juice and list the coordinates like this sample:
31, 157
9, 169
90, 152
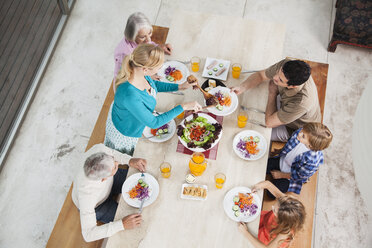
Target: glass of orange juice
195, 63
197, 164
236, 69
242, 118
165, 169
220, 179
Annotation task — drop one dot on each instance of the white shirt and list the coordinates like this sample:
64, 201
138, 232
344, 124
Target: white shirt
87, 194
287, 161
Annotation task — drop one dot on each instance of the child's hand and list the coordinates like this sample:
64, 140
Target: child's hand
242, 227
274, 153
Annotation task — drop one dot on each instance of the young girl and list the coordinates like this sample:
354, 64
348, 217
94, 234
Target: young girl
300, 157
278, 226
135, 99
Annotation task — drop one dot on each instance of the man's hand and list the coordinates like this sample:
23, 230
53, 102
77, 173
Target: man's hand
132, 221
273, 89
277, 174
237, 90
138, 163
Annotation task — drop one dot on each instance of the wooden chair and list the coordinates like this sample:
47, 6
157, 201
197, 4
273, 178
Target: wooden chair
67, 230
303, 239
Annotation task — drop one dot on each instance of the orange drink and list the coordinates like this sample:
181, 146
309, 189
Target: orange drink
236, 69
180, 116
220, 179
195, 62
197, 164
165, 169
242, 119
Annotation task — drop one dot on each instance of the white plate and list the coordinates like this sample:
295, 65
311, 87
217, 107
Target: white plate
179, 66
189, 197
211, 120
226, 110
171, 131
223, 76
132, 181
262, 145
228, 203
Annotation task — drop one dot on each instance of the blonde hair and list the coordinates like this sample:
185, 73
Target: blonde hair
290, 217
144, 56
319, 135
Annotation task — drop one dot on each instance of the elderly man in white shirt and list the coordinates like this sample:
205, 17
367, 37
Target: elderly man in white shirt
95, 187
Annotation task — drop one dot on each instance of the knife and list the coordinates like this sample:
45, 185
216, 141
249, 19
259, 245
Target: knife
141, 206
248, 71
252, 109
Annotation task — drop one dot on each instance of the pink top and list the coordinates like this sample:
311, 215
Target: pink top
124, 48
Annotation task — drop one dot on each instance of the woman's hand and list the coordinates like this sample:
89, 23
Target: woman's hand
191, 81
156, 77
194, 106
167, 48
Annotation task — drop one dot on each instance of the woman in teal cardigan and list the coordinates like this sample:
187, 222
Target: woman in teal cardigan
135, 99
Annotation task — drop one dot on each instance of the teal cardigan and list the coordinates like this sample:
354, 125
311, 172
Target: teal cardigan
133, 109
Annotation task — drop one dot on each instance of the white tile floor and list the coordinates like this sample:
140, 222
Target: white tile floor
40, 167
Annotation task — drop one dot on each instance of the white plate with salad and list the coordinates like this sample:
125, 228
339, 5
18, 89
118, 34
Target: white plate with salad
249, 145
162, 133
174, 72
228, 101
136, 188
199, 132
241, 205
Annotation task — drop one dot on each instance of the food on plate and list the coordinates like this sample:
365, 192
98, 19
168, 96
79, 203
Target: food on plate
211, 65
244, 204
172, 74
220, 65
195, 191
158, 132
221, 71
198, 132
215, 69
212, 83
140, 191
210, 73
224, 99
248, 146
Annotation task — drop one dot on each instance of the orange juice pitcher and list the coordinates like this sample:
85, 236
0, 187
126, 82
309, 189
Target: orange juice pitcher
197, 164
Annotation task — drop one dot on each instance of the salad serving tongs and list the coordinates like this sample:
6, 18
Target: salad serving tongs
207, 96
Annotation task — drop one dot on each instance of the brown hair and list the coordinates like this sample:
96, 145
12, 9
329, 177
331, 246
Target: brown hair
290, 217
145, 55
318, 134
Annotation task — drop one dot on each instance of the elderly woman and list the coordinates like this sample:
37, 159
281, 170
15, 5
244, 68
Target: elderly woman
137, 31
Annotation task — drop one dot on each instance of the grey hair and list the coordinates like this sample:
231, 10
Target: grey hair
98, 165
136, 21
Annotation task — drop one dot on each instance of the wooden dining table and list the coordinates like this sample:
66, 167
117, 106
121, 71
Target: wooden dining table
174, 222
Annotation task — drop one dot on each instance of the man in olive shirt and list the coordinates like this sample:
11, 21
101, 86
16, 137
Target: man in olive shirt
298, 97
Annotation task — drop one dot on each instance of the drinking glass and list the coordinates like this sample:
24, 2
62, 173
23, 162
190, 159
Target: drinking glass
195, 63
242, 118
165, 169
220, 179
197, 164
236, 69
